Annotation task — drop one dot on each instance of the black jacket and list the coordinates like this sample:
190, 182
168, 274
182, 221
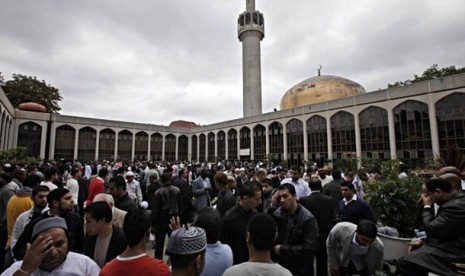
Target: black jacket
116, 247
299, 240
166, 203
321, 206
235, 230
125, 203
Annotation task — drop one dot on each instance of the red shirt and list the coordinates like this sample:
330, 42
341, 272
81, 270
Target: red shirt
137, 266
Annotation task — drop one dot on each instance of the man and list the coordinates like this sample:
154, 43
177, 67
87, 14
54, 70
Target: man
445, 243
201, 188
133, 188
236, 219
19, 203
297, 232
225, 200
333, 188
50, 175
60, 202
166, 203
39, 198
300, 185
186, 196
261, 236
321, 206
48, 253
72, 185
351, 208
103, 240
186, 248
134, 260
117, 188
118, 215
7, 190
218, 256
354, 249
97, 185
87, 171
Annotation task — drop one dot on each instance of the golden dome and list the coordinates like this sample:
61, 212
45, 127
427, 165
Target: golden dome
320, 89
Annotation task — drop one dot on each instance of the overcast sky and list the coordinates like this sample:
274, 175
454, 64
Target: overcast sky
153, 61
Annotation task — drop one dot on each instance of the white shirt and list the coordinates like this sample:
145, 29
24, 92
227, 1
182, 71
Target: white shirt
49, 184
301, 186
74, 265
134, 190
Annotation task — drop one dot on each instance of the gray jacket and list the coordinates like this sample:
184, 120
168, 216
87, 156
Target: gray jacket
201, 193
338, 246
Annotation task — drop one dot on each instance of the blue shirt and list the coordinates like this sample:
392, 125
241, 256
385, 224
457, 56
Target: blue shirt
217, 259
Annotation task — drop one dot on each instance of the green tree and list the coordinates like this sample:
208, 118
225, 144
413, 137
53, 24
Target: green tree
29, 89
434, 72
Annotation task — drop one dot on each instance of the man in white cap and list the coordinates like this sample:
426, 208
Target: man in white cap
48, 254
186, 248
133, 188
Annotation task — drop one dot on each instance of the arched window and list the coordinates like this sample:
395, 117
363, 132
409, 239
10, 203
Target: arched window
343, 135
170, 147
295, 141
141, 146
64, 142
106, 144
259, 142
221, 145
87, 143
374, 133
156, 146
413, 135
183, 142
317, 137
124, 145
29, 137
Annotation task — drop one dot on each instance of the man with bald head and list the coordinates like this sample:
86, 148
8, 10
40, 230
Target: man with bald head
454, 180
118, 215
453, 170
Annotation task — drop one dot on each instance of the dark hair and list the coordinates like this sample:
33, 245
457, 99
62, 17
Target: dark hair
183, 261
289, 187
221, 179
31, 180
367, 228
315, 184
40, 188
249, 189
56, 195
297, 169
99, 210
49, 172
120, 182
262, 229
165, 178
74, 171
438, 183
103, 172
135, 226
336, 174
6, 177
210, 220
348, 184
268, 181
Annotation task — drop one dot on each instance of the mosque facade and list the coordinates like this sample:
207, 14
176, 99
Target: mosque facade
321, 119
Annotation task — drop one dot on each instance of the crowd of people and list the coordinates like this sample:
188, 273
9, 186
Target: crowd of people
220, 219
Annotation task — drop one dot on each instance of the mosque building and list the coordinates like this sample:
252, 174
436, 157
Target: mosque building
322, 118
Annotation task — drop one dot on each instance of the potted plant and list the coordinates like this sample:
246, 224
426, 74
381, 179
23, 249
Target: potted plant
395, 203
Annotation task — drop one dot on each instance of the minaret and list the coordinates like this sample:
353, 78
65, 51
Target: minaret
251, 30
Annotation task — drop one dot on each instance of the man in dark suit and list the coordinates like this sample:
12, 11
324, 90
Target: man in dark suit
321, 206
333, 188
201, 188
104, 241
